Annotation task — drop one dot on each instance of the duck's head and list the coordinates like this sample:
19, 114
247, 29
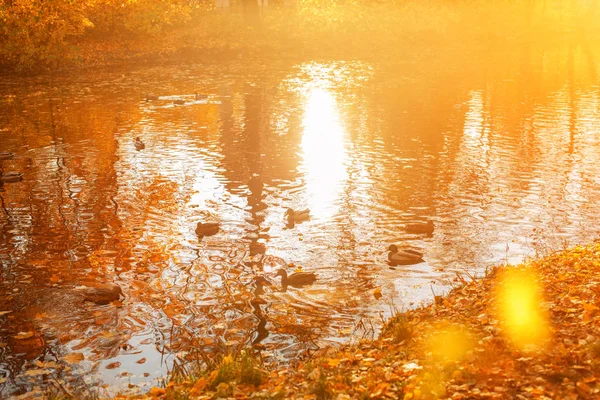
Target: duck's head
393, 248
290, 212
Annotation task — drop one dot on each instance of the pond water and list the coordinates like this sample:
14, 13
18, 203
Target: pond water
500, 151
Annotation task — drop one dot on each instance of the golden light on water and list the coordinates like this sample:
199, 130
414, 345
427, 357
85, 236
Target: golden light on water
519, 304
324, 152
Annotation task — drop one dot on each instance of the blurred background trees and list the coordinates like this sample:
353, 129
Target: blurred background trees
38, 34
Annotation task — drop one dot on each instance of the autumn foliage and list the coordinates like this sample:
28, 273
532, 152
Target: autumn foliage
37, 31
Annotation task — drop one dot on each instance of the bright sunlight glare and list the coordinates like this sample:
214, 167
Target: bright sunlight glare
519, 304
324, 152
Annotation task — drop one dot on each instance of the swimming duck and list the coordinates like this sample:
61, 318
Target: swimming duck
6, 156
199, 96
179, 102
101, 294
297, 279
296, 216
207, 228
404, 256
419, 227
139, 145
11, 177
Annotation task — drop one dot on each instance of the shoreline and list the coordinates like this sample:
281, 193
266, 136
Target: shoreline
464, 345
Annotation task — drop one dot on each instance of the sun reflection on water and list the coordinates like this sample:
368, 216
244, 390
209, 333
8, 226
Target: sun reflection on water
324, 152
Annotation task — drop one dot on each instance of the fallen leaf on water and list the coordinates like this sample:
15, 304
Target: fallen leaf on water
74, 358
45, 364
23, 335
377, 293
141, 361
113, 365
36, 372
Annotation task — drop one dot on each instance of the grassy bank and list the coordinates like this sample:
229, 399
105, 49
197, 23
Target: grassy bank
106, 33
527, 331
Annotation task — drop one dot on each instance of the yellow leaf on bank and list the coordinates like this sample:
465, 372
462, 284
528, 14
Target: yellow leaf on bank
87, 23
157, 391
333, 362
199, 386
227, 360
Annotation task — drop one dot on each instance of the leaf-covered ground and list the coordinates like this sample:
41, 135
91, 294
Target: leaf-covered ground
530, 331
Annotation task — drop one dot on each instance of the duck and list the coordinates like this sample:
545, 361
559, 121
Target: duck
11, 177
404, 256
101, 294
179, 102
200, 96
139, 145
297, 216
6, 156
207, 228
420, 227
297, 279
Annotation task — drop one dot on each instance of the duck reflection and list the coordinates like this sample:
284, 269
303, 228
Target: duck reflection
260, 332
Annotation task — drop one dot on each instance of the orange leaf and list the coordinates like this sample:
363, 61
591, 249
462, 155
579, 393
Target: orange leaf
74, 358
23, 335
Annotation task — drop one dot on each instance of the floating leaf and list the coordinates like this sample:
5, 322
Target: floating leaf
24, 335
37, 372
74, 358
113, 365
